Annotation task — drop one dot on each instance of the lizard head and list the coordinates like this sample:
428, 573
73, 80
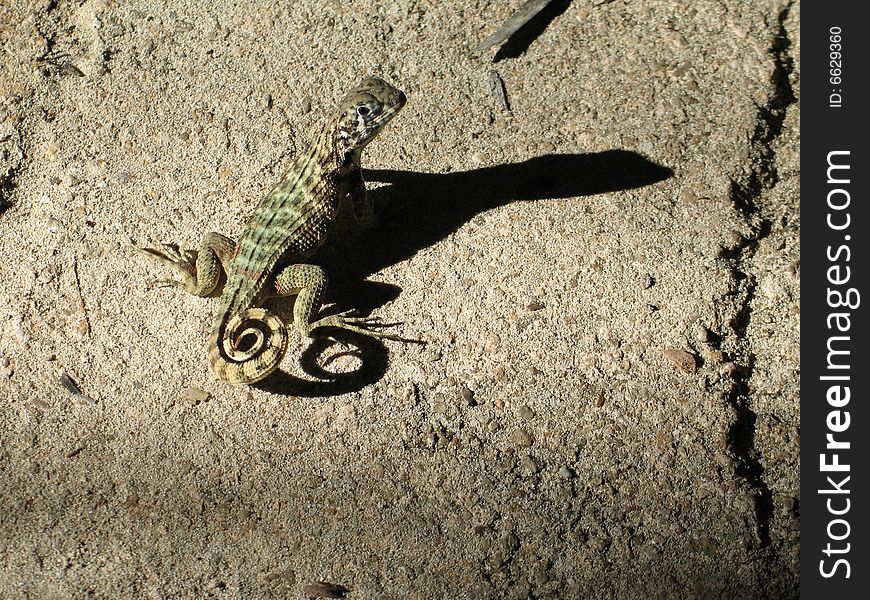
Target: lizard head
364, 111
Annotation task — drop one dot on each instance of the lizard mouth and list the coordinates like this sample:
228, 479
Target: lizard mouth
397, 101
383, 118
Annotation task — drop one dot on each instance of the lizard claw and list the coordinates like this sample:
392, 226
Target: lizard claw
182, 260
369, 326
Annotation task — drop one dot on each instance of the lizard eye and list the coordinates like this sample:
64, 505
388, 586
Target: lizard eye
363, 111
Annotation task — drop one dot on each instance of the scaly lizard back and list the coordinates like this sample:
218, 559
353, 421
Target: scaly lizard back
285, 229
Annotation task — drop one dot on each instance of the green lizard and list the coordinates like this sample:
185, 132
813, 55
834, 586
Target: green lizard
285, 229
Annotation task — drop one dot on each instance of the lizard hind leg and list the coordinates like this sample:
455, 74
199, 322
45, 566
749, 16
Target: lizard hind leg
249, 346
308, 283
200, 271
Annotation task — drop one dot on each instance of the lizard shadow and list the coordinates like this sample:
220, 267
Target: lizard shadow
422, 209
371, 353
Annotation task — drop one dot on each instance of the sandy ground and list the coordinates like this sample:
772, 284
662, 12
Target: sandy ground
606, 275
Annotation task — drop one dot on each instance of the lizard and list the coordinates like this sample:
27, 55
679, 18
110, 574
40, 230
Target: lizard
287, 227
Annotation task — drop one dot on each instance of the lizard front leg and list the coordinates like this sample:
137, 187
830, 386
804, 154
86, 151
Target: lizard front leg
199, 275
307, 283
363, 211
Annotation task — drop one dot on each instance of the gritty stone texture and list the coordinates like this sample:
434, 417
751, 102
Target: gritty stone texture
641, 194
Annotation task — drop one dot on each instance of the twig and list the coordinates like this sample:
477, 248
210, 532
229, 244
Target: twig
81, 296
523, 15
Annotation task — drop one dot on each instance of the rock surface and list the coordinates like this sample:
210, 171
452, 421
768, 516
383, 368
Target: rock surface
607, 276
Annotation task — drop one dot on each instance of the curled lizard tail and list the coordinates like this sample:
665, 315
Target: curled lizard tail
248, 346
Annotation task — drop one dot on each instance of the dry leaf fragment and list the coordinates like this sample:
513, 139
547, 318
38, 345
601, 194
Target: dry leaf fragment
324, 589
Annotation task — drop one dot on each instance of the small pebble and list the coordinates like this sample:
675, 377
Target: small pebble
183, 27
527, 463
683, 360
510, 543
438, 404
491, 342
526, 413
727, 369
21, 335
468, 396
39, 403
521, 438
195, 395
565, 472
688, 195
714, 357
51, 149
733, 240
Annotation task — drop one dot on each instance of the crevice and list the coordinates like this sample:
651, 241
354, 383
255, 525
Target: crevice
7, 179
770, 120
16, 155
746, 195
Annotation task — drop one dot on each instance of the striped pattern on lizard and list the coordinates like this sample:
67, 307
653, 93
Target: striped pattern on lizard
285, 229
